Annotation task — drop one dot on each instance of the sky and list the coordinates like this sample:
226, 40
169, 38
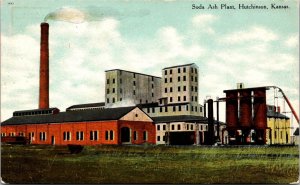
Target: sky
255, 47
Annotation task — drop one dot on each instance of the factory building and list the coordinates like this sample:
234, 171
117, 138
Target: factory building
124, 125
279, 126
126, 87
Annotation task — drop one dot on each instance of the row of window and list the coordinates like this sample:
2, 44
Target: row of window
184, 99
28, 113
188, 127
114, 100
179, 70
179, 89
114, 80
179, 79
179, 108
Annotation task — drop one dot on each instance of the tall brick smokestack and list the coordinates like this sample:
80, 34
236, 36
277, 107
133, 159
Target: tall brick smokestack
44, 67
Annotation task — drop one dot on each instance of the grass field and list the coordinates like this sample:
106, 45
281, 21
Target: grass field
149, 164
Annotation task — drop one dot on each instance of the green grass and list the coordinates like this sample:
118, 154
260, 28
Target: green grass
149, 164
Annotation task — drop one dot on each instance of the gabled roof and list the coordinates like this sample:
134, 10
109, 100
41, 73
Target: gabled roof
71, 116
272, 114
87, 105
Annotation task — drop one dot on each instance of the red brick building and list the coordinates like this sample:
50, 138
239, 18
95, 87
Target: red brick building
123, 125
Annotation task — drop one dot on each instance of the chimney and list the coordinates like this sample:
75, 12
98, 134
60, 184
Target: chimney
278, 109
44, 67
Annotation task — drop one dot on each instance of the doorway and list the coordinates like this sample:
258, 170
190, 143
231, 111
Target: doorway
52, 140
125, 135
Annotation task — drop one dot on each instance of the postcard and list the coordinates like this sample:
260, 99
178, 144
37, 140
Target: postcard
150, 91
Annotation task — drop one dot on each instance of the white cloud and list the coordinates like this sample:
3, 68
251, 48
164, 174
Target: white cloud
203, 22
292, 41
253, 34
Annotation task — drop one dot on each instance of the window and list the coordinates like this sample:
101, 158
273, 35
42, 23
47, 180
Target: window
166, 109
171, 89
133, 92
174, 108
179, 107
178, 127
3, 134
67, 136
152, 94
166, 90
93, 135
135, 135
171, 71
187, 126
43, 136
192, 108
184, 78
171, 99
158, 138
148, 110
141, 101
121, 81
192, 69
275, 134
158, 127
178, 70
107, 81
152, 86
184, 69
145, 136
184, 88
121, 91
200, 109
178, 98
113, 100
196, 79
133, 75
114, 90
192, 127
195, 98
164, 138
114, 81
111, 133
195, 70
184, 98
152, 79
173, 127
164, 127
280, 134
192, 98
196, 108
153, 110
178, 88
201, 127
106, 135
166, 80
160, 101
192, 88
107, 91
79, 136
120, 99
196, 89
192, 78
134, 83
170, 80
160, 109
178, 78
21, 134
107, 100
166, 72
